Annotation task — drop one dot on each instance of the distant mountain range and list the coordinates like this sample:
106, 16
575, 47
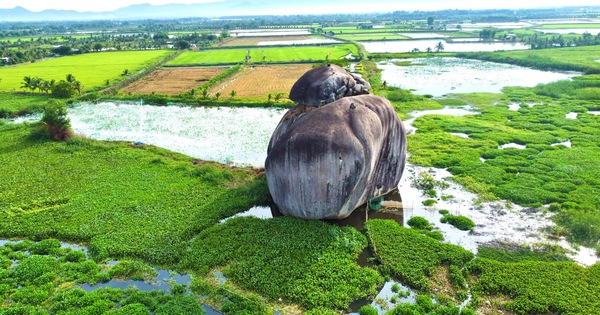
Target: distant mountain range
211, 9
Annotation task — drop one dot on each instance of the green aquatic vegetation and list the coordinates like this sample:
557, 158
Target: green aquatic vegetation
47, 284
114, 196
424, 305
539, 287
507, 252
537, 175
131, 269
419, 223
409, 256
458, 221
367, 310
310, 263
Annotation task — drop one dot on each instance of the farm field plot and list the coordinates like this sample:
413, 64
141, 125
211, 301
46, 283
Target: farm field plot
173, 81
372, 36
258, 82
279, 54
253, 41
91, 69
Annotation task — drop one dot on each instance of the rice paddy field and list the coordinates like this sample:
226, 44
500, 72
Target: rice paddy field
256, 83
253, 41
271, 55
173, 81
92, 69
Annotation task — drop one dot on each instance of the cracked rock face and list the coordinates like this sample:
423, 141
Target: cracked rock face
323, 85
325, 161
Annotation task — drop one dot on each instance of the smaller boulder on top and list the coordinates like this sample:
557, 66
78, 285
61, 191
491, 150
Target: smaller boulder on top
326, 84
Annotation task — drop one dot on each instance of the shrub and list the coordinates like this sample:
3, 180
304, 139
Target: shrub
54, 124
395, 288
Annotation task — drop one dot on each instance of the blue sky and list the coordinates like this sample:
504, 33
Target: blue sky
369, 6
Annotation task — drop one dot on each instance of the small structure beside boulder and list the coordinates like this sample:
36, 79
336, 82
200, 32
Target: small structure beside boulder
336, 149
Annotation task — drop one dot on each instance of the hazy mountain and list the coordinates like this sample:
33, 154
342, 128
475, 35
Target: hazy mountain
213, 9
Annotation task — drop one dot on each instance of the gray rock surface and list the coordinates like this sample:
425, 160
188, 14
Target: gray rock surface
324, 162
323, 85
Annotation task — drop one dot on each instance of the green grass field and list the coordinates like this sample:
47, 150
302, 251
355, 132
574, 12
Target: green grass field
277, 54
91, 69
13, 103
581, 58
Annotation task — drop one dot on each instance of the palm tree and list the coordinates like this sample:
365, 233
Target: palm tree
70, 78
217, 95
30, 83
233, 93
439, 47
78, 86
429, 50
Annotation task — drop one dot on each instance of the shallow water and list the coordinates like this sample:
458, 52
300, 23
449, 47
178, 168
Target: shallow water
513, 146
401, 46
440, 76
235, 136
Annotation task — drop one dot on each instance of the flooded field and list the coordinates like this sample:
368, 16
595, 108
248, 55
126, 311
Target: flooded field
422, 45
235, 136
439, 76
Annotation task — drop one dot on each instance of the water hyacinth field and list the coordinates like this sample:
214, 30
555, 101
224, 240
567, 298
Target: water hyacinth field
235, 136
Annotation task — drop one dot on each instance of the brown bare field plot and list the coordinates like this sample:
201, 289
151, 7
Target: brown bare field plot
256, 83
173, 81
253, 41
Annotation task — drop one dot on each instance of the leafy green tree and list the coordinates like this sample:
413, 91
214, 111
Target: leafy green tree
98, 46
233, 93
63, 89
63, 50
430, 20
217, 95
204, 93
182, 44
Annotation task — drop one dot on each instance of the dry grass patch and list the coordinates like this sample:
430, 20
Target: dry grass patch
173, 81
256, 83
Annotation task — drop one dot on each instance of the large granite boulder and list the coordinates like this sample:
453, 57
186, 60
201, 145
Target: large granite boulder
325, 84
325, 161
